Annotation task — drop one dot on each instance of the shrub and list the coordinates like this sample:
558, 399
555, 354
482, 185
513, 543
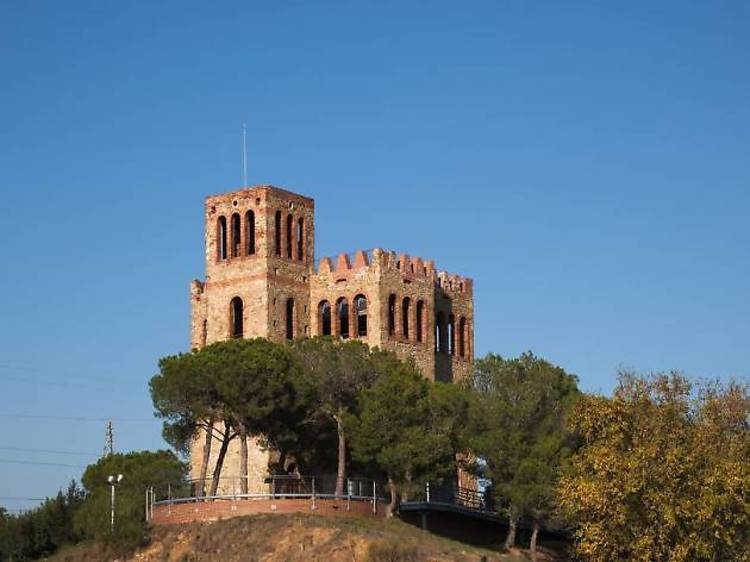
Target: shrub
390, 551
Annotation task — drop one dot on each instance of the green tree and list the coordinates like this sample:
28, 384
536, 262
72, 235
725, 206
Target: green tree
517, 432
663, 473
262, 388
140, 471
185, 395
338, 372
407, 427
42, 530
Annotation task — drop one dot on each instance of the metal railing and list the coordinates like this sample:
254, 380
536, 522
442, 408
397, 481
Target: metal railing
274, 487
448, 492
312, 488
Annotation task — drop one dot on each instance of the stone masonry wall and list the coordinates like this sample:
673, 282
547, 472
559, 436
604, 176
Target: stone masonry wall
271, 268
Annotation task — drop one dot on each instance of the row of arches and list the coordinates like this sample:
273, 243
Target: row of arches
451, 337
234, 240
447, 338
337, 320
409, 329
237, 318
295, 236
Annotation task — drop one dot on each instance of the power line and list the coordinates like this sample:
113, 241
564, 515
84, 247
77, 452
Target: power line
56, 384
50, 451
39, 463
17, 499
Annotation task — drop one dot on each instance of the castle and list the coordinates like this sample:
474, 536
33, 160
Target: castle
262, 281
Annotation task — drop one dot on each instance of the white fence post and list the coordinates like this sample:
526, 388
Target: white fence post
313, 492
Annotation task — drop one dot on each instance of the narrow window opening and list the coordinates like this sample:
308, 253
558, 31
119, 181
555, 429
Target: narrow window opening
236, 312
360, 308
236, 235
289, 318
301, 239
277, 233
451, 335
391, 315
439, 330
420, 314
222, 238
325, 318
462, 337
250, 232
289, 234
405, 306
342, 308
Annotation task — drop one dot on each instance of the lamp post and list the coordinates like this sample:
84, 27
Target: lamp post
113, 481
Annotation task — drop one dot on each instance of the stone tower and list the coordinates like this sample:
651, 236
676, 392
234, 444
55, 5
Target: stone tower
262, 281
260, 247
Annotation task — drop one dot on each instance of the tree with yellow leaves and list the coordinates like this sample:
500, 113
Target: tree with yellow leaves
663, 472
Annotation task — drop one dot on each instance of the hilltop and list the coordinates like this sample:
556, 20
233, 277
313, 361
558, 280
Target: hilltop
270, 538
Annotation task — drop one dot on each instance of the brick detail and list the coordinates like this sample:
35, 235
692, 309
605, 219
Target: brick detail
224, 509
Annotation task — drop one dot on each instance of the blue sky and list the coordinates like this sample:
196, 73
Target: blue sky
585, 162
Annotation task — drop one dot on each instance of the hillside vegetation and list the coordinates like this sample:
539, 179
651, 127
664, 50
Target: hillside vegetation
268, 538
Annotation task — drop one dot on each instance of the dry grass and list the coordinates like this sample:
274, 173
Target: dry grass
308, 538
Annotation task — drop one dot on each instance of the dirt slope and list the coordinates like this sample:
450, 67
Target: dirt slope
271, 538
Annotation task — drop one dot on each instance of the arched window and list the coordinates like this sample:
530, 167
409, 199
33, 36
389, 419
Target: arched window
324, 310
405, 306
289, 236
462, 337
301, 239
420, 320
222, 238
250, 232
342, 311
236, 235
360, 309
451, 335
277, 233
439, 332
289, 318
236, 311
391, 315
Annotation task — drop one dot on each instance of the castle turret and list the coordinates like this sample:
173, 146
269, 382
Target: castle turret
260, 246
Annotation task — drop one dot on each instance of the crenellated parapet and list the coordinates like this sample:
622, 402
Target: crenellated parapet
453, 284
345, 263
410, 267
